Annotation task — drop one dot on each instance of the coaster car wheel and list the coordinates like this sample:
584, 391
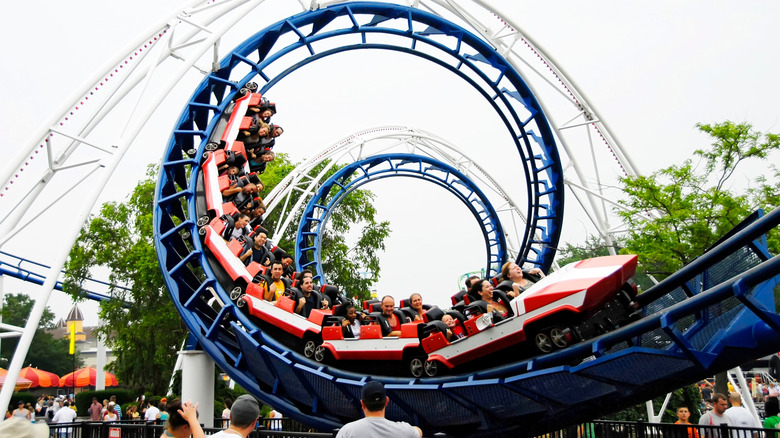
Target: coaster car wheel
321, 354
543, 342
431, 368
558, 338
310, 345
251, 86
241, 93
236, 293
203, 221
211, 146
416, 366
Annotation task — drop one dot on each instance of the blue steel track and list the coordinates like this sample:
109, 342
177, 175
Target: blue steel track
716, 313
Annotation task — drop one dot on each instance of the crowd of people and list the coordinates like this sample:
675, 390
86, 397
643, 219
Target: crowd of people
730, 409
62, 409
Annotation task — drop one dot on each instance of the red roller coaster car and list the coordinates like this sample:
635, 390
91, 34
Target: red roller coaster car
577, 302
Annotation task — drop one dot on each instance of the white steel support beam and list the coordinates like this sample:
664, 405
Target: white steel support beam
382, 140
69, 232
193, 34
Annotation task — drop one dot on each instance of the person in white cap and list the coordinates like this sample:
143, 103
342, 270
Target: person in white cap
21, 428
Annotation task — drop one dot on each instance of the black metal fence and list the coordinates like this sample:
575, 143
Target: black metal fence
284, 427
294, 429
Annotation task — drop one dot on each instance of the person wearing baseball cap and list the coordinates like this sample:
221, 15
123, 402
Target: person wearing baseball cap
243, 418
373, 400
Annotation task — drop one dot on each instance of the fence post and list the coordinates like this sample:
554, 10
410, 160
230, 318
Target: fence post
640, 429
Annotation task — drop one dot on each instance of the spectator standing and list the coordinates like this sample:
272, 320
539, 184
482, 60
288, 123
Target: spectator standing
95, 410
22, 412
132, 413
40, 407
706, 391
110, 414
117, 408
374, 400
163, 407
740, 416
152, 413
56, 406
771, 410
276, 423
717, 415
774, 389
226, 413
243, 418
683, 417
65, 415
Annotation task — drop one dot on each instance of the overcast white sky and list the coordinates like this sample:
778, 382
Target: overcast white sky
652, 71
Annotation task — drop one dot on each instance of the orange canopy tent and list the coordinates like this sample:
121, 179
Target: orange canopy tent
85, 377
41, 378
21, 382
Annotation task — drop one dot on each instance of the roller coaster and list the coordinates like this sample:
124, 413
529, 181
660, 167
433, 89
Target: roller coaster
714, 314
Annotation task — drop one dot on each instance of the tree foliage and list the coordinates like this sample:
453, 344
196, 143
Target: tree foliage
141, 324
676, 213
354, 219
689, 396
46, 352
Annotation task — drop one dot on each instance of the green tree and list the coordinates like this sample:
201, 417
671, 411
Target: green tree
687, 396
142, 325
342, 264
594, 246
46, 352
692, 206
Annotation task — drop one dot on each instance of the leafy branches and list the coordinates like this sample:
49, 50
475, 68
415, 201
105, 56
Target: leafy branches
142, 325
354, 268
690, 212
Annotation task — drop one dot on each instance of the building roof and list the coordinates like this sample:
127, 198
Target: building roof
75, 314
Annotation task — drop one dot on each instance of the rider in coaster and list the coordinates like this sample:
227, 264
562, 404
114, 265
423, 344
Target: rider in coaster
512, 272
391, 325
277, 285
484, 289
415, 300
259, 252
309, 300
454, 330
350, 325
287, 262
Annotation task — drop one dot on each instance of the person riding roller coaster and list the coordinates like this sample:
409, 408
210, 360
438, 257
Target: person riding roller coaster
483, 289
516, 281
307, 299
